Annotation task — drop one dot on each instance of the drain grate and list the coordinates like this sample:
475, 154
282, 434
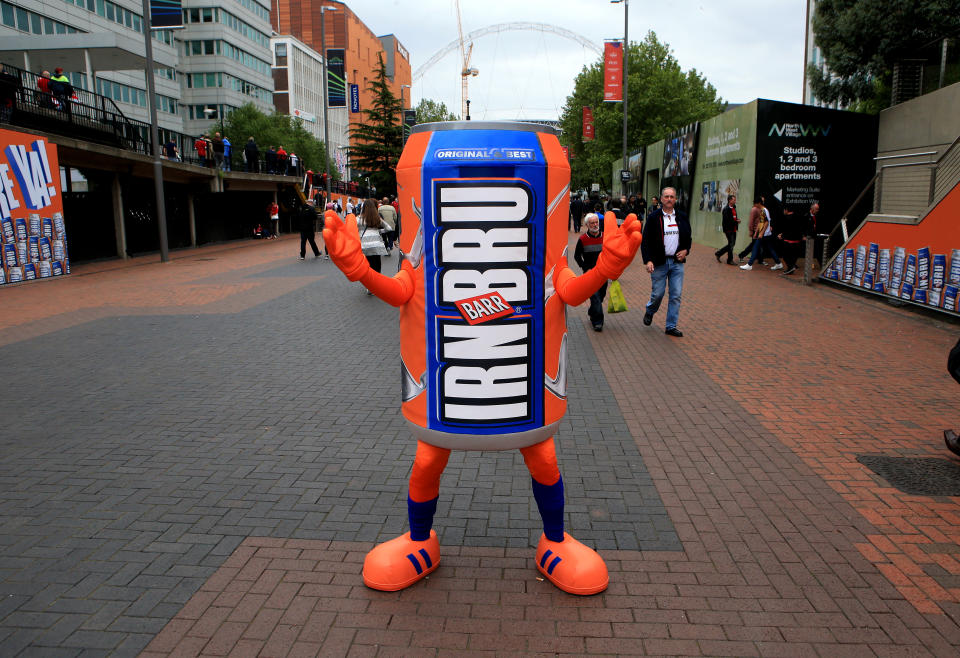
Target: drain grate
917, 476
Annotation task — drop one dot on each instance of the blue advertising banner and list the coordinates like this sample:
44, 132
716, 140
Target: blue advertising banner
354, 99
336, 78
166, 14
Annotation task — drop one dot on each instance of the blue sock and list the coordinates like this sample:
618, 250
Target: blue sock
550, 502
421, 518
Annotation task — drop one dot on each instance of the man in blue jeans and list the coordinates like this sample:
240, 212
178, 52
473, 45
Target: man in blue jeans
666, 243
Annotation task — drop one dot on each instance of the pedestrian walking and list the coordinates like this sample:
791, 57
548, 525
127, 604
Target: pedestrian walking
577, 209
227, 154
389, 216
763, 238
218, 150
730, 223
307, 221
589, 246
251, 155
270, 159
274, 211
666, 242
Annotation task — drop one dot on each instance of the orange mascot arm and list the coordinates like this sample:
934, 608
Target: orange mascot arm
343, 243
620, 245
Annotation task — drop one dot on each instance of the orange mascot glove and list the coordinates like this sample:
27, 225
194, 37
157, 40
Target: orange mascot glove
343, 243
620, 244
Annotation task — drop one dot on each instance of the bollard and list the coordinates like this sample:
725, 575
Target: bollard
808, 261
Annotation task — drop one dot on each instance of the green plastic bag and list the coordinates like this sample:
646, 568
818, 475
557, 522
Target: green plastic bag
617, 302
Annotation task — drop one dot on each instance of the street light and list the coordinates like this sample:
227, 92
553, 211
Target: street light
626, 57
326, 96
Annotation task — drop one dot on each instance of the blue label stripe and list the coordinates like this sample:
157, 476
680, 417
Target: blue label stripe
546, 556
426, 557
413, 560
553, 565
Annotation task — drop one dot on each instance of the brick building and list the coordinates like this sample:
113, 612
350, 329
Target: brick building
346, 31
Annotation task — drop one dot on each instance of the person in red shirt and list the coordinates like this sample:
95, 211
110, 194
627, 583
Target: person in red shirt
282, 159
201, 148
43, 84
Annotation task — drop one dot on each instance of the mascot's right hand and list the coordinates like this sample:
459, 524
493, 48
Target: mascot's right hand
620, 245
343, 243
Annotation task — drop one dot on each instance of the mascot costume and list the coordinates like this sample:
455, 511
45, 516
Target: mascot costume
482, 292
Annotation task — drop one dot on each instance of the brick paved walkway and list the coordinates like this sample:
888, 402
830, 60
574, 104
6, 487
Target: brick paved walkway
187, 470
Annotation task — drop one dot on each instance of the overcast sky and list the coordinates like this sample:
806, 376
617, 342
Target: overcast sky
746, 48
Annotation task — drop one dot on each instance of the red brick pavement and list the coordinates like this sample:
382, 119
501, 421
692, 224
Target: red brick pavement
750, 426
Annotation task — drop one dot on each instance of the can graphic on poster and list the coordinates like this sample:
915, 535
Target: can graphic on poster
9, 255
33, 224
920, 295
939, 270
848, 264
879, 286
872, 255
6, 225
883, 267
58, 224
868, 281
56, 268
47, 228
66, 266
910, 270
20, 228
861, 262
15, 274
3, 276
950, 297
44, 244
954, 266
34, 243
487, 215
22, 252
44, 269
933, 297
906, 292
57, 246
896, 269
29, 272
923, 267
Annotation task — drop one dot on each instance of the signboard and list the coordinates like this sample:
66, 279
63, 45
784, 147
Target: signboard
354, 99
588, 131
612, 71
624, 175
336, 78
306, 116
165, 14
807, 154
33, 239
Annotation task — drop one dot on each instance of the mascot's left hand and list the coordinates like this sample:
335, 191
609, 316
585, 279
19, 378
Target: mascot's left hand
343, 243
620, 245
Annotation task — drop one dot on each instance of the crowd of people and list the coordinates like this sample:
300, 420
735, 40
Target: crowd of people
667, 239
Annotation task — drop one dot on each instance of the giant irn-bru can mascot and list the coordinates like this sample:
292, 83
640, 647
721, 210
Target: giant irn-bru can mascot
482, 292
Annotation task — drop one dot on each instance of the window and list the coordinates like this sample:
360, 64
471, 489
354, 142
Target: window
35, 24
8, 15
281, 50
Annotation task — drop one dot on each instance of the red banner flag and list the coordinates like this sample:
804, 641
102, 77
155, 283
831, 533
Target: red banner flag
613, 71
587, 123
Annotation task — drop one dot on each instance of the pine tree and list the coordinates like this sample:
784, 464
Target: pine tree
378, 138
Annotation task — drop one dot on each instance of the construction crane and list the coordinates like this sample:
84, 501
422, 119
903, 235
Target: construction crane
466, 50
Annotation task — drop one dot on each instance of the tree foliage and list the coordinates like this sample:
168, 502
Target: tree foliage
861, 40
661, 97
274, 130
378, 137
430, 110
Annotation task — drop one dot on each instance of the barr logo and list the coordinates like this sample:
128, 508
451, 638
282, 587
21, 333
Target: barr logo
483, 308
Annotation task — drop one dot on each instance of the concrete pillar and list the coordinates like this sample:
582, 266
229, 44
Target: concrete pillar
89, 71
26, 61
192, 217
118, 227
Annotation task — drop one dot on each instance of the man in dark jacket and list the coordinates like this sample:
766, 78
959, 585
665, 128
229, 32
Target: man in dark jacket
729, 225
576, 212
270, 159
666, 243
307, 221
252, 155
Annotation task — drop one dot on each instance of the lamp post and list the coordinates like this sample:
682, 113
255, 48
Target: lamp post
626, 57
326, 96
155, 134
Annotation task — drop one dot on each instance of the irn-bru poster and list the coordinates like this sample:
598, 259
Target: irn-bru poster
33, 240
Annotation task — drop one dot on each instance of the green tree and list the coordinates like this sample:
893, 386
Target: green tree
378, 137
861, 40
274, 130
661, 98
430, 110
